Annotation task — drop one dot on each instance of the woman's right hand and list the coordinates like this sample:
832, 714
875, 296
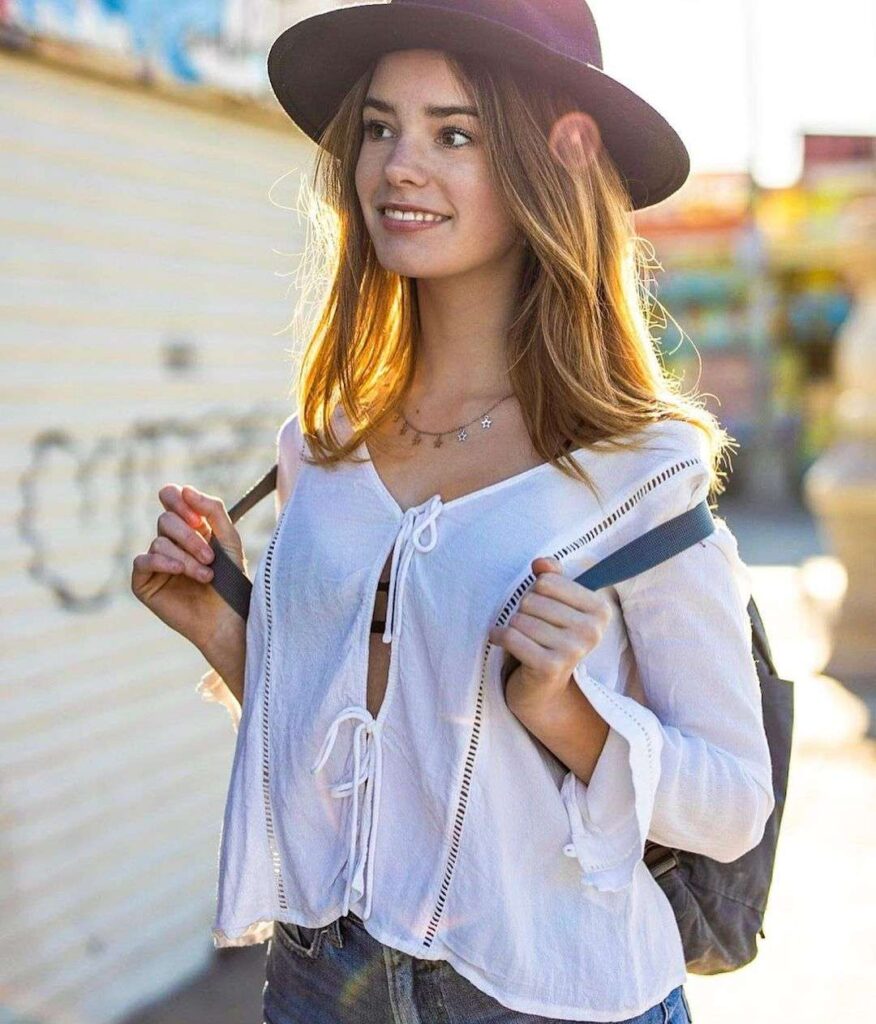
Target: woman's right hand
173, 578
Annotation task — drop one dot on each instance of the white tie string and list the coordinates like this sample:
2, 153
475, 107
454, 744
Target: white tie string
367, 741
368, 729
415, 522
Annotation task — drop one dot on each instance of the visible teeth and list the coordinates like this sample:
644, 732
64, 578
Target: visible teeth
408, 215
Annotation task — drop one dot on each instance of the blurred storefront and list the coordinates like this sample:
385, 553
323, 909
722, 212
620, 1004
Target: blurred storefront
755, 287
715, 335
807, 227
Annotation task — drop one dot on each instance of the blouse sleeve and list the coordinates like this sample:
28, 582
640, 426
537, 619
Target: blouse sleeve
690, 768
211, 686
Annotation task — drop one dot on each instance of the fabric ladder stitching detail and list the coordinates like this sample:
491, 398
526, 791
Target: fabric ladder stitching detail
266, 705
456, 833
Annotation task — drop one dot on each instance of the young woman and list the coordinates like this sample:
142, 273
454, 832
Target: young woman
450, 754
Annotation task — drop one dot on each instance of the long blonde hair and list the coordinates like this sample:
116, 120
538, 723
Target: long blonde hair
583, 364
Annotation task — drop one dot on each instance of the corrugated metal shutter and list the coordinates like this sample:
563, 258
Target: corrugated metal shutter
140, 339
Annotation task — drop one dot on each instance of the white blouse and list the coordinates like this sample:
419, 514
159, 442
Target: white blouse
443, 822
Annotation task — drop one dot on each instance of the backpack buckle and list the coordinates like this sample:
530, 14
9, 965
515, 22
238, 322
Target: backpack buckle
660, 859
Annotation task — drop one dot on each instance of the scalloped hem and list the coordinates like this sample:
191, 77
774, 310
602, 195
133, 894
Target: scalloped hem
252, 935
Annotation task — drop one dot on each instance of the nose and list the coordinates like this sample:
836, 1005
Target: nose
404, 163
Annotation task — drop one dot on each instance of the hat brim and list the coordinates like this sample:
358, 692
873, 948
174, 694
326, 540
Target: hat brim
313, 64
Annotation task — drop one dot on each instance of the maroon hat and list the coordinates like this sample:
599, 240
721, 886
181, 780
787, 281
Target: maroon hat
313, 64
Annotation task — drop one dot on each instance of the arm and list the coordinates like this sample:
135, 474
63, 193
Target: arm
715, 791
226, 651
692, 768
566, 723
226, 654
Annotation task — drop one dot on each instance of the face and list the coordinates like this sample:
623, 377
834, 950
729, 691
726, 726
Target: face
435, 161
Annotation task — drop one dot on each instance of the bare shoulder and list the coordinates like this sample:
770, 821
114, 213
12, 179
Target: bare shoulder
288, 438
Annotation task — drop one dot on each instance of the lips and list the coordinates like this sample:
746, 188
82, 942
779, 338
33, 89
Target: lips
429, 218
411, 209
393, 224
410, 225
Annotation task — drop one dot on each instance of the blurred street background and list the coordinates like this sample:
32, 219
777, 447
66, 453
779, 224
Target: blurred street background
150, 250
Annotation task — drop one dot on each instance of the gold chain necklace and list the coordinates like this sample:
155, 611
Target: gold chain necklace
461, 431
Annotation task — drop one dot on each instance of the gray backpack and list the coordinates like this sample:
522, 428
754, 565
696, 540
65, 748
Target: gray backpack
719, 907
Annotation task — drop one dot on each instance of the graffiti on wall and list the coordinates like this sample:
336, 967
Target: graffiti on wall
88, 508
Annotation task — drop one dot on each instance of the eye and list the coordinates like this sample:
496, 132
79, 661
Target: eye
456, 131
369, 127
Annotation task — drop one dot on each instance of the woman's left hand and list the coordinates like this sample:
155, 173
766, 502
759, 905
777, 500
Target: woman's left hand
557, 623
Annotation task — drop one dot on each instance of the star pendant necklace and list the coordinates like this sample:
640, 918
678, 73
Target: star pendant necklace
462, 433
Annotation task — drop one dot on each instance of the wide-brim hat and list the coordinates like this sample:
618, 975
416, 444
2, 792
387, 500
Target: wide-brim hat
313, 64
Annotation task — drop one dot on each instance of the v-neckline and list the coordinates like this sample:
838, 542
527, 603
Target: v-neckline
461, 499
392, 502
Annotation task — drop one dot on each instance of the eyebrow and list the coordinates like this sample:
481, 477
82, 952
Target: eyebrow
429, 111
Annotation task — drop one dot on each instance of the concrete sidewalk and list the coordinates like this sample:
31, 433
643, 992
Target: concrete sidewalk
816, 963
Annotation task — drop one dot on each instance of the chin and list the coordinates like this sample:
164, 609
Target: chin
416, 268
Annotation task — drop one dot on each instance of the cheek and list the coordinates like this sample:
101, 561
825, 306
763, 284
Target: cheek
488, 219
366, 176
359, 178
484, 210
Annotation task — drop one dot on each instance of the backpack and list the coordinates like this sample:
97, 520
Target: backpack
719, 907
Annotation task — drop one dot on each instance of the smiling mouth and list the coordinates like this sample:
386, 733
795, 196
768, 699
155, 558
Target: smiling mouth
425, 218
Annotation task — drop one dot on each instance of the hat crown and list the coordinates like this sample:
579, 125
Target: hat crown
313, 64
565, 26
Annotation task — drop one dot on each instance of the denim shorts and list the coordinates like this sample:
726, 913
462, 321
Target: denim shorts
339, 974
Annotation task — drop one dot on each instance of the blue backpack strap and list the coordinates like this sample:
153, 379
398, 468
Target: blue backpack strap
650, 548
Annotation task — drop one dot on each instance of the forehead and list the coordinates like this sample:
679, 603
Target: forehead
417, 73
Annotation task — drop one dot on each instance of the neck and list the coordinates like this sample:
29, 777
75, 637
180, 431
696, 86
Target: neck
461, 358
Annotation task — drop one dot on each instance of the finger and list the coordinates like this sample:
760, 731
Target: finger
190, 540
214, 512
561, 639
171, 496
565, 589
551, 609
529, 652
546, 564
155, 561
191, 566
